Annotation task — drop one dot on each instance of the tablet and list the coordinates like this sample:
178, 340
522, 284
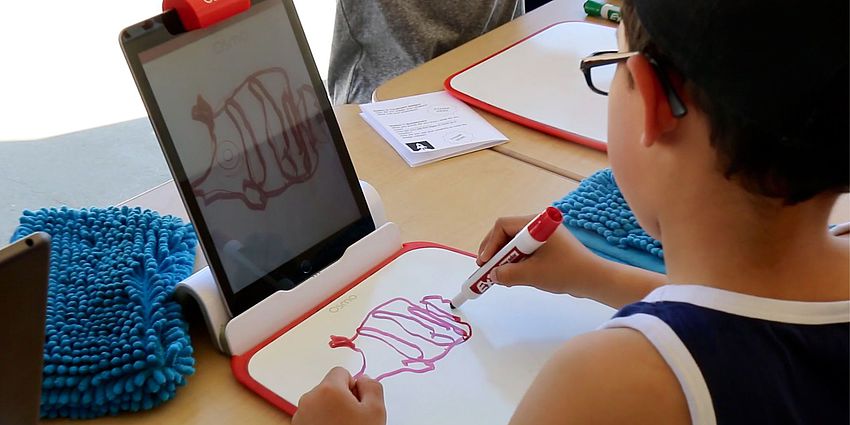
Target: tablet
24, 271
247, 130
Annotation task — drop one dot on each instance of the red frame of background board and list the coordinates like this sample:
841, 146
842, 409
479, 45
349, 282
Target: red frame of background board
239, 364
519, 119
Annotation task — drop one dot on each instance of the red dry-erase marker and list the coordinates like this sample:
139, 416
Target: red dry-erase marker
531, 237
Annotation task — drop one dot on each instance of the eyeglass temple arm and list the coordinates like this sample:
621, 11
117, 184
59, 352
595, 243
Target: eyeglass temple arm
677, 107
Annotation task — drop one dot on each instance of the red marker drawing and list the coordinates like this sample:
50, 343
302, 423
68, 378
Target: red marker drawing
420, 333
531, 237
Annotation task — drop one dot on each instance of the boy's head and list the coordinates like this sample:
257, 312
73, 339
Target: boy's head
766, 87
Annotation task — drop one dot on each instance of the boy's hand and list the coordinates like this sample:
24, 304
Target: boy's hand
562, 265
339, 399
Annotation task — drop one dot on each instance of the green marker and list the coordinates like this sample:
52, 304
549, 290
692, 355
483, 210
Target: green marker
602, 9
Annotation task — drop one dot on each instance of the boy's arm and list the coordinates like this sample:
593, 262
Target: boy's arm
564, 265
623, 284
613, 376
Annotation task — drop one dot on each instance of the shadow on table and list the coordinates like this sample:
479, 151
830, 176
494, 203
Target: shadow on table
96, 167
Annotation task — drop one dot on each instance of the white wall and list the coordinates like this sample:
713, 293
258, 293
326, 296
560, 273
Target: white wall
62, 69
317, 18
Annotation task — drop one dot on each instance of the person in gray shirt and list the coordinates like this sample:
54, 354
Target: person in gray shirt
375, 40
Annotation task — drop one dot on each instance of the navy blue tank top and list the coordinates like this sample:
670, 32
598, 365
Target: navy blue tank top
742, 359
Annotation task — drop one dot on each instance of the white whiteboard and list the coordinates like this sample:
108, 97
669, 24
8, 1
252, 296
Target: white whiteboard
539, 79
514, 331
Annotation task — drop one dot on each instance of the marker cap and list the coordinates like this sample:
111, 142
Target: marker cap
602, 9
545, 224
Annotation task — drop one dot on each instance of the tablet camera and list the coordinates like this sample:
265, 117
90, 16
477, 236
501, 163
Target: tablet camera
306, 267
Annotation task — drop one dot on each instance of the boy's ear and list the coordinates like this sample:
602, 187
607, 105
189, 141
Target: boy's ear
658, 119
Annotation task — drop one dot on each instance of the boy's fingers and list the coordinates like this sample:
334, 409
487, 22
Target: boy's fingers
483, 245
496, 239
371, 392
338, 377
504, 229
494, 243
514, 273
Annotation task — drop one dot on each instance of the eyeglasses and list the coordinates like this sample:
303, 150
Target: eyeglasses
599, 76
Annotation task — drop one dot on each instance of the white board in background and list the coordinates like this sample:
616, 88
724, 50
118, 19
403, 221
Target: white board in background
514, 331
537, 82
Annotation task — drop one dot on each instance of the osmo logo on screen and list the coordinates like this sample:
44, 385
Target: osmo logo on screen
341, 305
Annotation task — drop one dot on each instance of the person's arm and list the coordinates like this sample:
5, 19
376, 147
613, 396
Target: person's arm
564, 265
613, 376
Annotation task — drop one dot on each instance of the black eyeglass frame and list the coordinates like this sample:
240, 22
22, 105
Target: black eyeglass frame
609, 57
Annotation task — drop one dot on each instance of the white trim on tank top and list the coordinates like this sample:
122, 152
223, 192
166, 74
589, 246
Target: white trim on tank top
678, 358
794, 312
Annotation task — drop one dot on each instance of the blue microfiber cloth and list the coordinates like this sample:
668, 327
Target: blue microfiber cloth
599, 217
115, 338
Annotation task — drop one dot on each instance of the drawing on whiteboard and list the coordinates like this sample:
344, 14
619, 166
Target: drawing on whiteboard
262, 140
418, 334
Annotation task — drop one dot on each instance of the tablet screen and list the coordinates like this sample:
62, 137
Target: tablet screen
253, 141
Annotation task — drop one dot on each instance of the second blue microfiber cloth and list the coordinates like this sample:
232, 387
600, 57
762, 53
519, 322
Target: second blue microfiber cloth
597, 214
115, 338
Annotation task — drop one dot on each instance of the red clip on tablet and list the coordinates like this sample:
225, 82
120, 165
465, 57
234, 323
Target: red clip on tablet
202, 13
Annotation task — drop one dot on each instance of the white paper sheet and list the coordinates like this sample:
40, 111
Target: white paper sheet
429, 127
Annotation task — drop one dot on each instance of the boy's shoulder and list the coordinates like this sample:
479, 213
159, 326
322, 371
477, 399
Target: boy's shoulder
608, 376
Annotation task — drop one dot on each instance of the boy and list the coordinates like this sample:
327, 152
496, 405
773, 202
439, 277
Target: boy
729, 138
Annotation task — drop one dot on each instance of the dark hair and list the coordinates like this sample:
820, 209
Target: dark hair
763, 162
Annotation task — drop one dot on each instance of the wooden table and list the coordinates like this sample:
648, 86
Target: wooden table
531, 146
453, 202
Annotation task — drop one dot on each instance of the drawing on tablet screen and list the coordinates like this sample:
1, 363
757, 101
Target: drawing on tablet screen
417, 334
262, 139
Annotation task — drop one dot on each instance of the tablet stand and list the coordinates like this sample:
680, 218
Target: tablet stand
235, 335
